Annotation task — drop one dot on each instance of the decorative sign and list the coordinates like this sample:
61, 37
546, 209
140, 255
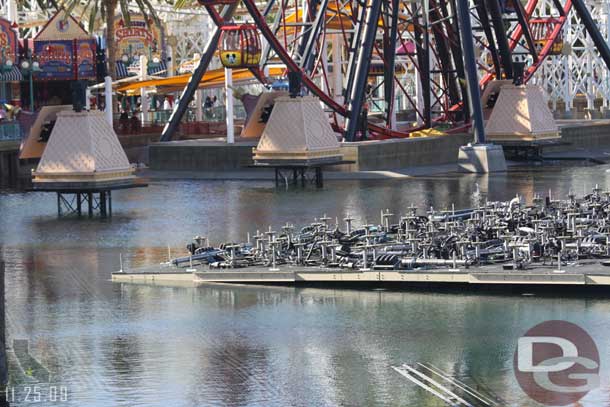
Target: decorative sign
56, 59
189, 65
62, 25
64, 50
141, 37
8, 41
85, 58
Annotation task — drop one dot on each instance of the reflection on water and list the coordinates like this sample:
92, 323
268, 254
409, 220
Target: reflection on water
115, 344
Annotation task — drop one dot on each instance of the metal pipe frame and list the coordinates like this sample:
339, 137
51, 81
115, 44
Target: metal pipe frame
485, 23
189, 91
471, 71
389, 54
506, 62
356, 99
522, 17
591, 27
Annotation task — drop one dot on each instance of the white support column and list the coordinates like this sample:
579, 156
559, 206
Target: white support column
108, 97
199, 105
419, 98
606, 16
143, 91
393, 114
567, 95
11, 12
325, 66
590, 73
170, 61
229, 105
337, 78
88, 99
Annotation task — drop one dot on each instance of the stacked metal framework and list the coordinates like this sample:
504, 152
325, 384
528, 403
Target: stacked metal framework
334, 44
337, 43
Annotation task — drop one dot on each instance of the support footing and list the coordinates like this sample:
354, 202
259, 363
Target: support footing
481, 158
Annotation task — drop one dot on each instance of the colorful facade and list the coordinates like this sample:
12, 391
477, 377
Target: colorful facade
65, 50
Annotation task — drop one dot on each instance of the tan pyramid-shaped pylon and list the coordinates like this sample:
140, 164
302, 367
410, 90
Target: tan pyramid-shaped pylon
521, 113
83, 148
298, 130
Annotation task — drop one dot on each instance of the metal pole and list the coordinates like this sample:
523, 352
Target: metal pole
199, 105
498, 25
87, 99
144, 91
181, 107
356, 93
229, 105
31, 87
307, 57
471, 71
108, 97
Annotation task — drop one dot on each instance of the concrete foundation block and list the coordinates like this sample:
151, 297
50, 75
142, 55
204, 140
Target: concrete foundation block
481, 158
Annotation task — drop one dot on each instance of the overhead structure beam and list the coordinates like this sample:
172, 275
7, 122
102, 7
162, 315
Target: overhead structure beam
354, 50
471, 71
307, 57
444, 56
356, 93
389, 56
422, 41
591, 27
274, 28
493, 6
191, 87
484, 19
527, 33
453, 30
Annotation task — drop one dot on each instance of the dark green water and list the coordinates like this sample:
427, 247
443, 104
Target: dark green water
111, 344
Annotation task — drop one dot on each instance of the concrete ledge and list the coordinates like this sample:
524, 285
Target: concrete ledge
486, 277
200, 155
216, 155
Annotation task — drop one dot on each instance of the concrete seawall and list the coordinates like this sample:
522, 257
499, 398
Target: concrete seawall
401, 153
208, 155
216, 155
10, 169
200, 155
583, 136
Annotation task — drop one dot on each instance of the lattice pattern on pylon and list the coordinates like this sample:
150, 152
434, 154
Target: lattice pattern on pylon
579, 70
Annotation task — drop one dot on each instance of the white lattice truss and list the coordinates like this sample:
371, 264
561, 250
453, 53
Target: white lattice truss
580, 71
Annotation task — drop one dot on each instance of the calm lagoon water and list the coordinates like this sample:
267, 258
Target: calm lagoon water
111, 344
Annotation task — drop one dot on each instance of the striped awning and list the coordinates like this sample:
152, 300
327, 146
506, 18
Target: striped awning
14, 75
121, 70
159, 70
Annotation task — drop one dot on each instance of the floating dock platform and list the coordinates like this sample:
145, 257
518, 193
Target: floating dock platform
552, 244
585, 276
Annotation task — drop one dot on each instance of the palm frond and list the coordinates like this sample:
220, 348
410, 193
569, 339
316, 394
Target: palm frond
92, 17
142, 9
124, 4
153, 13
